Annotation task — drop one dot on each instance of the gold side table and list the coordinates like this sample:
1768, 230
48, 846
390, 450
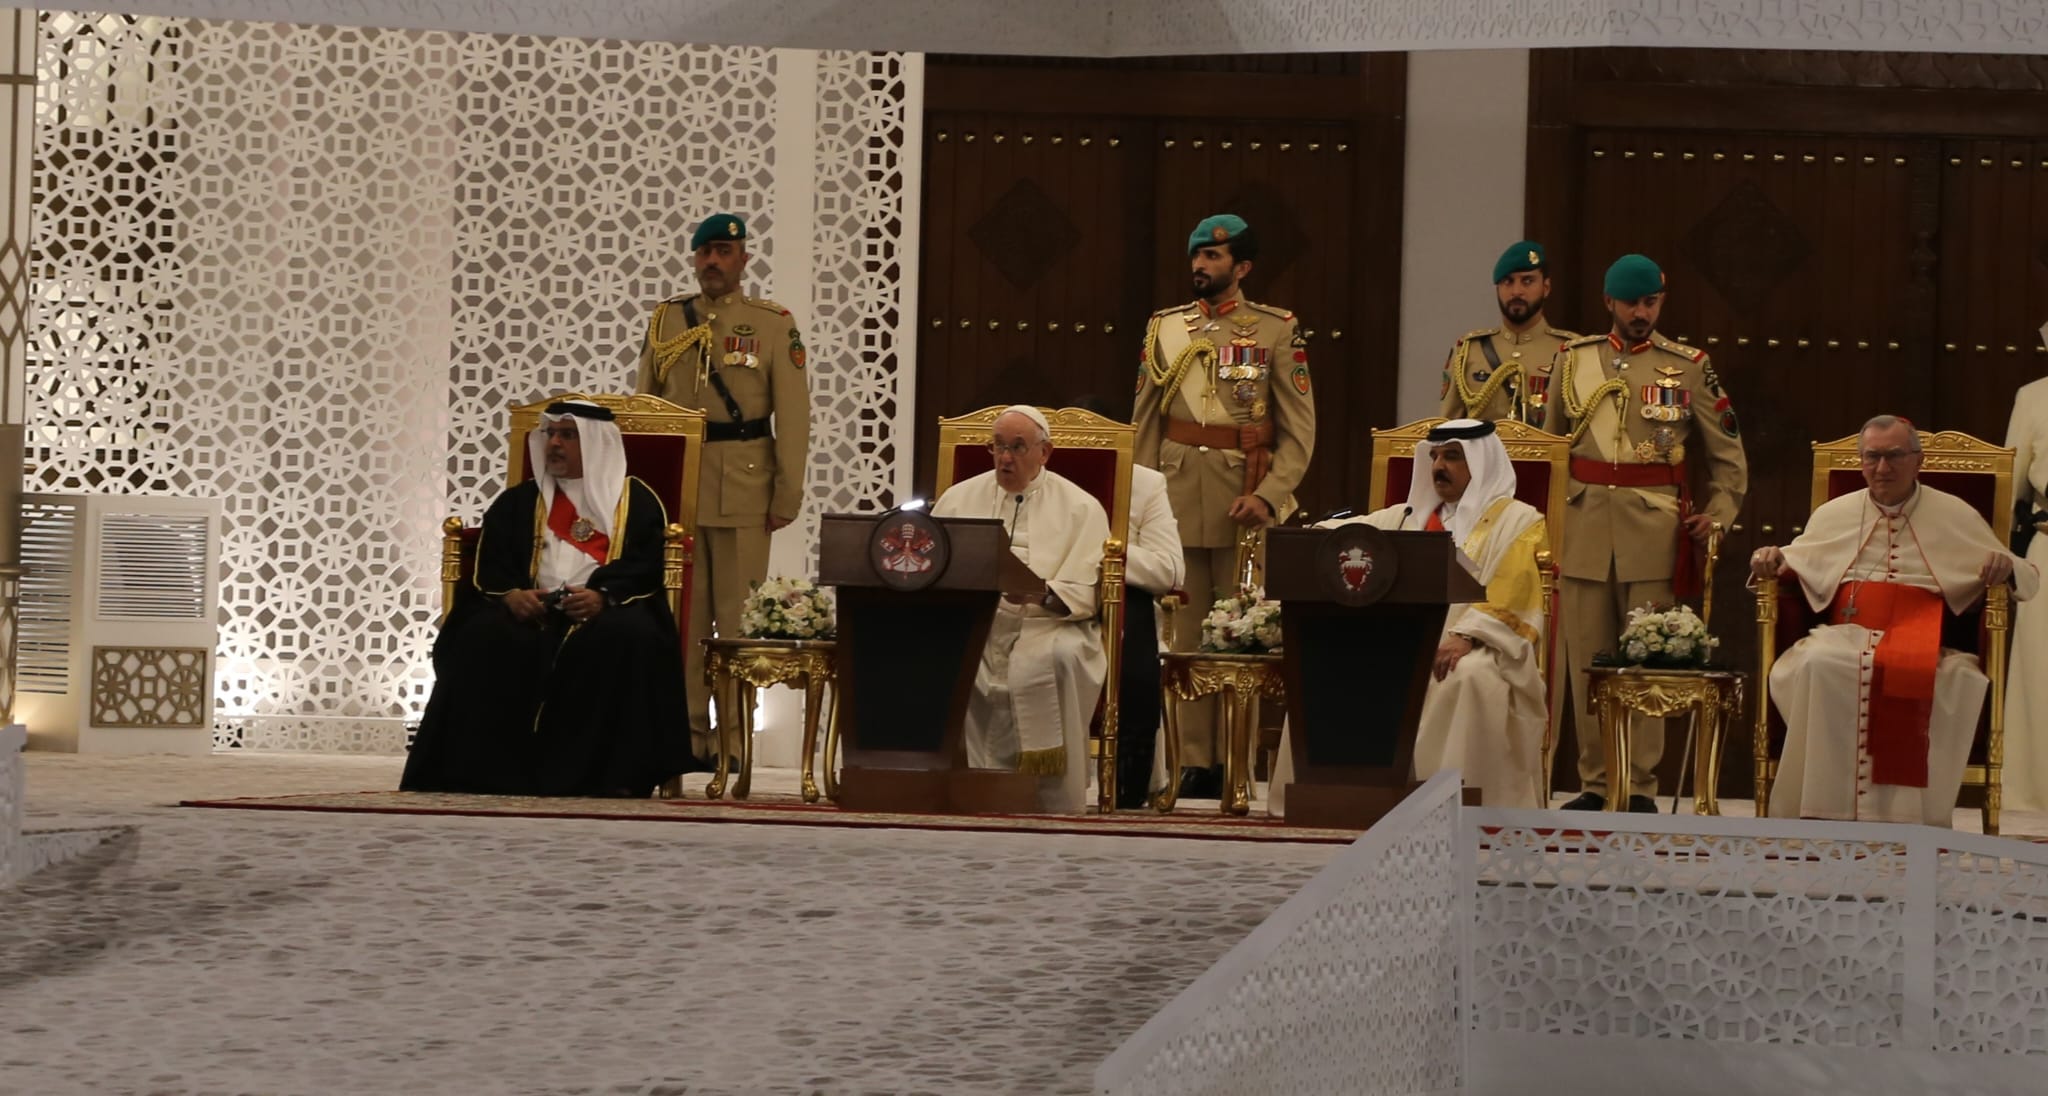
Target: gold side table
1242, 679
753, 664
1621, 691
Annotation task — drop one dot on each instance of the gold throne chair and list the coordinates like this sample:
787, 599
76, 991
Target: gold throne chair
1979, 473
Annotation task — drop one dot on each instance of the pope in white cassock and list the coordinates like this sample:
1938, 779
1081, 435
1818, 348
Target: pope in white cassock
1878, 715
1042, 670
1484, 712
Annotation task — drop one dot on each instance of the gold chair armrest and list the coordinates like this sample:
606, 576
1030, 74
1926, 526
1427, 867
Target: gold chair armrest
451, 564
1766, 654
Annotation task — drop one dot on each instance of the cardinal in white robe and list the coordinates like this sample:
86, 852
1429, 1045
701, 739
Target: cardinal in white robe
2026, 688
1484, 713
1878, 715
1041, 673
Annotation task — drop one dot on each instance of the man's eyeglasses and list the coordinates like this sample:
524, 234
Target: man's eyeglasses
1874, 457
1015, 448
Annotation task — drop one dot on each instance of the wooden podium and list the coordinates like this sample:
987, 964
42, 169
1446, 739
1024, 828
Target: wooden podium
1361, 614
916, 595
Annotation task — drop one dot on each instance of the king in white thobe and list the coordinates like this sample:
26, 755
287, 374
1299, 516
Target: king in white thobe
1486, 717
1041, 673
1825, 686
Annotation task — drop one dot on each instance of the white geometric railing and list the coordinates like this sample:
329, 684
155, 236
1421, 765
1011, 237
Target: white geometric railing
1654, 953
13, 737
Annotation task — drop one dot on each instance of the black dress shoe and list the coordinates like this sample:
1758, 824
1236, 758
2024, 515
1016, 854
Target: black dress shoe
1641, 804
1201, 783
1586, 801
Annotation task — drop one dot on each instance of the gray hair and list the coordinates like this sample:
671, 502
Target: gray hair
1886, 422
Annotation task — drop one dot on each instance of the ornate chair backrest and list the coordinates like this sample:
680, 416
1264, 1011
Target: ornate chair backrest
1541, 462
1972, 469
1096, 453
664, 449
1093, 451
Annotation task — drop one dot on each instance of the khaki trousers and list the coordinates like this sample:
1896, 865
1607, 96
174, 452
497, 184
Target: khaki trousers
729, 561
1211, 574
1593, 616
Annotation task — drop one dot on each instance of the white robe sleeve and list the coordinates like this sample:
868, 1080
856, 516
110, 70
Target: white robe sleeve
1152, 560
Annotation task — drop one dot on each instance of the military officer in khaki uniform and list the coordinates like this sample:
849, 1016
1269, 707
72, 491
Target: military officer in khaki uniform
1503, 372
1225, 411
740, 360
1640, 409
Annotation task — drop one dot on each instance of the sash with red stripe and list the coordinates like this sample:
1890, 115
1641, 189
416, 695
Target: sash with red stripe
562, 523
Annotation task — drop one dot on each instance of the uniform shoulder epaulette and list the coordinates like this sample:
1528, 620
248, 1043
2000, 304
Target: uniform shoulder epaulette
1583, 340
1673, 346
1173, 308
1270, 310
1562, 334
763, 302
1478, 334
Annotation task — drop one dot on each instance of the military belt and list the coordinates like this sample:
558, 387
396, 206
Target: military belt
1258, 435
1588, 470
736, 431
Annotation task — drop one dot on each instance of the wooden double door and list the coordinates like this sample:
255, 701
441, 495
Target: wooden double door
1058, 201
1837, 262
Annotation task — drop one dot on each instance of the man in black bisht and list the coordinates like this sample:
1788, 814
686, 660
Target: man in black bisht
562, 674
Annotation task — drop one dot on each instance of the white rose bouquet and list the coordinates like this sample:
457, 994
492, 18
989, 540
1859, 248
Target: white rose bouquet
787, 608
1242, 624
1666, 637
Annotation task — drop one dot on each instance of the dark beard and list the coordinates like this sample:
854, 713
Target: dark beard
1215, 289
1530, 309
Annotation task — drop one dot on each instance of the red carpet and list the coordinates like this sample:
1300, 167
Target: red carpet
786, 810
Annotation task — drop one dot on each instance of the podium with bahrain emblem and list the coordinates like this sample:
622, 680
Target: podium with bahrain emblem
916, 595
1361, 612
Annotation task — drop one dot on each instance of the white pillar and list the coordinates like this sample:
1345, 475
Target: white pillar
1468, 119
17, 137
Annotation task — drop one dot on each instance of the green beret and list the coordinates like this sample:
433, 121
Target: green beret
1520, 256
718, 226
1220, 229
1633, 277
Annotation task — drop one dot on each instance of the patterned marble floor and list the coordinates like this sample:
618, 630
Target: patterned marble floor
279, 953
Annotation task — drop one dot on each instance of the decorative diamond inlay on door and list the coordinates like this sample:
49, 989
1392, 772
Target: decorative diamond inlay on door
1024, 234
1746, 247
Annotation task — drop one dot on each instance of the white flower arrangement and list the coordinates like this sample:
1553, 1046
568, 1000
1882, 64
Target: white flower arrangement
787, 608
1245, 623
1666, 637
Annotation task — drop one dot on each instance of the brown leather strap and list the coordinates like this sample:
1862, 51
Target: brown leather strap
1254, 439
1257, 435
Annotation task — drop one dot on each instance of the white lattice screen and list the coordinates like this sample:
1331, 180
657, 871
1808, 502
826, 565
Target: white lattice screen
306, 268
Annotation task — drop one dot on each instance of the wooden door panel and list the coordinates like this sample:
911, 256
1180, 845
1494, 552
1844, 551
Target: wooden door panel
1994, 281
1292, 183
1023, 277
1793, 262
1128, 157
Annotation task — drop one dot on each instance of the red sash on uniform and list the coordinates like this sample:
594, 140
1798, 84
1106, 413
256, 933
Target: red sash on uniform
1435, 524
1902, 679
562, 523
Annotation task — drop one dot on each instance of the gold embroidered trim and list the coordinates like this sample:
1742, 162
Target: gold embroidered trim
1507, 617
1048, 762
